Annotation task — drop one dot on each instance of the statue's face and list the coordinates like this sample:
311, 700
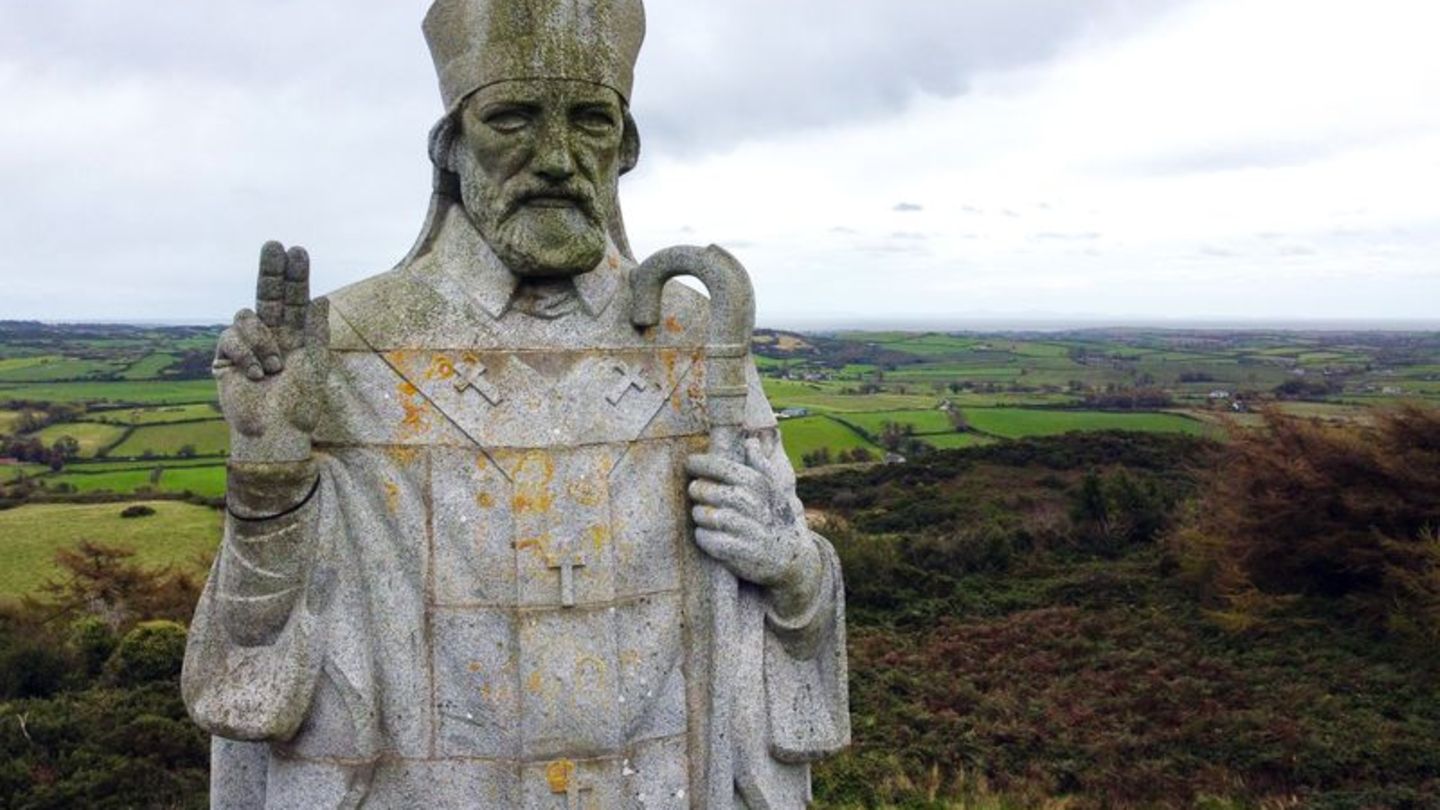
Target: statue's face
538, 161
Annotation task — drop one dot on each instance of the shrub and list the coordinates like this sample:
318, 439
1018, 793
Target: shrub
153, 651
32, 669
93, 642
139, 510
1306, 510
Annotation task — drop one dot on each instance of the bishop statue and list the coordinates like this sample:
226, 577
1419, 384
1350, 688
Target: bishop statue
510, 525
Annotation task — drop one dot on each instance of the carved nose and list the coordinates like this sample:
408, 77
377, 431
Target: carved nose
554, 162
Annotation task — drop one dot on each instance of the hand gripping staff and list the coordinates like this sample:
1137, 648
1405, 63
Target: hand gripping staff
732, 320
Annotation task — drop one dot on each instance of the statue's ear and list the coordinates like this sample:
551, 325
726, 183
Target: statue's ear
442, 148
629, 145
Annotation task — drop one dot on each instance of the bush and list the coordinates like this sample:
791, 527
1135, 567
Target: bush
153, 651
31, 669
1347, 515
139, 510
93, 642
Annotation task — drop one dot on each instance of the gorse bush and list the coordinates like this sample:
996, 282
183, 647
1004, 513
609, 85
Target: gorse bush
1301, 511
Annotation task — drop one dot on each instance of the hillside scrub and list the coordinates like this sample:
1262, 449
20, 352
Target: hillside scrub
1301, 512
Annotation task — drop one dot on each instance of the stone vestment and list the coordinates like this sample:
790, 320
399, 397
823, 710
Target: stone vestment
481, 601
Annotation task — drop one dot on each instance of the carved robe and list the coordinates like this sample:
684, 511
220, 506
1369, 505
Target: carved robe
482, 600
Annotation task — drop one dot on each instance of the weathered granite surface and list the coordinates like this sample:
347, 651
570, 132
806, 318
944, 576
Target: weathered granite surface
510, 524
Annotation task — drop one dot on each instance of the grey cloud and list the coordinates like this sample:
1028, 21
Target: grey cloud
908, 208
1217, 252
909, 235
813, 63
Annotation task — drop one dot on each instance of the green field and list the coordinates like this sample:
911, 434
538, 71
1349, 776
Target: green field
48, 368
827, 398
141, 392
811, 433
92, 436
207, 482
30, 535
951, 441
930, 421
120, 482
10, 472
1015, 423
158, 415
208, 439
150, 366
8, 420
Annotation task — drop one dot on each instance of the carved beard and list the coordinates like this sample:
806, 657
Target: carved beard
537, 232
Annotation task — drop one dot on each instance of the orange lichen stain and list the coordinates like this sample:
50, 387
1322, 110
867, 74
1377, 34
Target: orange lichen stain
404, 456
613, 261
540, 545
487, 692
475, 667
673, 325
485, 500
591, 670
587, 491
392, 497
440, 368
629, 657
407, 390
534, 683
532, 483
558, 775
599, 535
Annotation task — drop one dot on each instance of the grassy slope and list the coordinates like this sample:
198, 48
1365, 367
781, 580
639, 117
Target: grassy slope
30, 535
1019, 665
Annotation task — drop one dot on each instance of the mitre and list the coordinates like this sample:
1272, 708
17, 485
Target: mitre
476, 43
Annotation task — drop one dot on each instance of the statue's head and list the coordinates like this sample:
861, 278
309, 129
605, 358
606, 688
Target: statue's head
537, 128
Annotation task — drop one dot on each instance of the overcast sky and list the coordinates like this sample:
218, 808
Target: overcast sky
869, 160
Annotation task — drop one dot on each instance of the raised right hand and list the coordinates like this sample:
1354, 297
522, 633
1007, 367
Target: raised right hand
272, 362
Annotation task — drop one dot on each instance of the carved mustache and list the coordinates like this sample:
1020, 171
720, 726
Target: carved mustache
552, 196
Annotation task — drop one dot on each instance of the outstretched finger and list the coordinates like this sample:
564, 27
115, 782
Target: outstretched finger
270, 288
297, 295
261, 340
725, 520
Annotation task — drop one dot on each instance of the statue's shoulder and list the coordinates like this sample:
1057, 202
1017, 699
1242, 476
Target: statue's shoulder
394, 309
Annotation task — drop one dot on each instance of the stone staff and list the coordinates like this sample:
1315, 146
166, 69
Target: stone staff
732, 321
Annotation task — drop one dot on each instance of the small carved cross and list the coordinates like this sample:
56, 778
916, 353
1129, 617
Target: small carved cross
632, 380
566, 566
474, 379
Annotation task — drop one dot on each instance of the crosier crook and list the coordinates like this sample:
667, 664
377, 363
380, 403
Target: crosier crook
732, 321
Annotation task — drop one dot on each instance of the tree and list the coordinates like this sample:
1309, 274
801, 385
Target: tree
186, 451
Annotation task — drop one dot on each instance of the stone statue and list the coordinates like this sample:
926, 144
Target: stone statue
510, 526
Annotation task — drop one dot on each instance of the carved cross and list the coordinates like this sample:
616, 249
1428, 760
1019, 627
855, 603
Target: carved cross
632, 380
473, 378
566, 566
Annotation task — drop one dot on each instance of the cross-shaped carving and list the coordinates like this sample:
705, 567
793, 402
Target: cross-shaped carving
632, 380
566, 566
561, 776
474, 378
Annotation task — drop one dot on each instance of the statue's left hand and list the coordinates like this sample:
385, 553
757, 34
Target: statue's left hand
744, 519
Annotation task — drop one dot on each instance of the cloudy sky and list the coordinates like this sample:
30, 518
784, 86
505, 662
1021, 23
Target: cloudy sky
952, 162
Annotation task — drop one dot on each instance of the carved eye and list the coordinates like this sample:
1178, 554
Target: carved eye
595, 120
507, 120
